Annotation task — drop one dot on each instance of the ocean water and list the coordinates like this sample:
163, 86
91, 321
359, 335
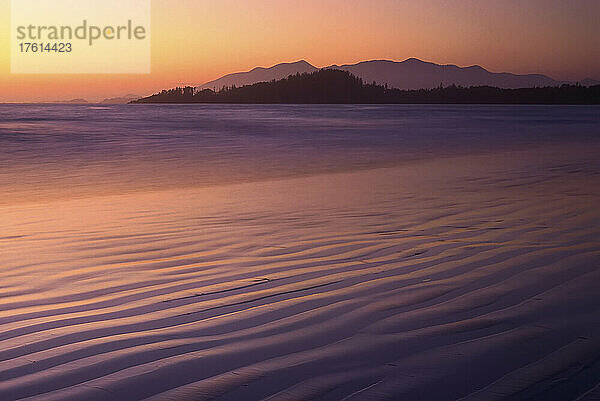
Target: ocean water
467, 268
49, 151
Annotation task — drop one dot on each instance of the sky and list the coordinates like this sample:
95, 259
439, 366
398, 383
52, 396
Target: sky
194, 41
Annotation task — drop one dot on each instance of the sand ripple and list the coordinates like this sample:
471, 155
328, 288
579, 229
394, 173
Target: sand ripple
398, 283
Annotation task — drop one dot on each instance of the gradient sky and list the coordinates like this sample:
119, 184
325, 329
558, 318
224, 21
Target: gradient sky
194, 41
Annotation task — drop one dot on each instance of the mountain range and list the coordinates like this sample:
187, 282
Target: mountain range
113, 100
260, 74
408, 74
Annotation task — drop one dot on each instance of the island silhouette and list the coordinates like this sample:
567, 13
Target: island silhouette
333, 86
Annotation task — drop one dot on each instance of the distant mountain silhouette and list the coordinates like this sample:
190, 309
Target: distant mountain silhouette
408, 74
72, 101
330, 86
121, 100
417, 74
259, 74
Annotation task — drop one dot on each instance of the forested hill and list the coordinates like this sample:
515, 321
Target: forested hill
341, 87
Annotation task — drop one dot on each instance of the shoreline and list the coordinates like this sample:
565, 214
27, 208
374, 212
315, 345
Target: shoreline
511, 155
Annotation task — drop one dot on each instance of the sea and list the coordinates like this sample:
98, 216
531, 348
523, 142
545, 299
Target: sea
49, 151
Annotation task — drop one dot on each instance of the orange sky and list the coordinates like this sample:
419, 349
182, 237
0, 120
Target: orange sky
194, 41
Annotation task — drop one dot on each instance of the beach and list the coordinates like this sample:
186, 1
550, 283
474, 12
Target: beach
424, 275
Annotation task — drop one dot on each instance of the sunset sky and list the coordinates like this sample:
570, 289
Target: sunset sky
194, 41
